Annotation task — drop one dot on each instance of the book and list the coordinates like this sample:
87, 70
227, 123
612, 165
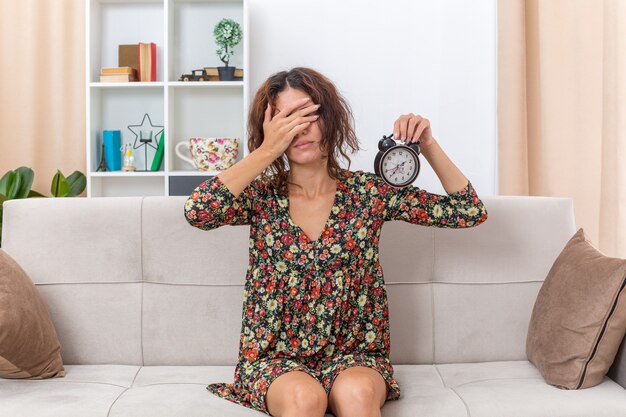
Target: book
147, 61
128, 56
119, 70
116, 78
111, 140
158, 155
214, 75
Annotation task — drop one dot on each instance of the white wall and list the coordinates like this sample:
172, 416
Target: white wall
393, 57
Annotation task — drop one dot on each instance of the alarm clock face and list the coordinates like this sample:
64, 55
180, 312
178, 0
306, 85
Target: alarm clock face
399, 166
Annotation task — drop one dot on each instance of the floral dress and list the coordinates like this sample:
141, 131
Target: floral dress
319, 307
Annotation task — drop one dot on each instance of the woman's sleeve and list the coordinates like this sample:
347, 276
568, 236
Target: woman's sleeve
412, 204
211, 205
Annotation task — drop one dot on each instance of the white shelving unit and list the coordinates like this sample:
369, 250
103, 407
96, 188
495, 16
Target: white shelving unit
183, 34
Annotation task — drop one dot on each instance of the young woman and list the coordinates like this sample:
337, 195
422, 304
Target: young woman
315, 331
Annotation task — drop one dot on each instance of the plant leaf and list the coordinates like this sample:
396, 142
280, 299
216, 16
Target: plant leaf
26, 181
77, 182
3, 183
59, 187
7, 184
33, 193
14, 180
3, 198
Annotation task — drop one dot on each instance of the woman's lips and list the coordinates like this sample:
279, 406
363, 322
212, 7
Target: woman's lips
303, 145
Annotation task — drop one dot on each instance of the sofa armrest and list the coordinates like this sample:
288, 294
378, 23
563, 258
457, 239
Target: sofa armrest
617, 371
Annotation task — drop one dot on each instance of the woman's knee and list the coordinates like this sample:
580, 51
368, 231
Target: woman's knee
309, 398
355, 389
296, 393
360, 389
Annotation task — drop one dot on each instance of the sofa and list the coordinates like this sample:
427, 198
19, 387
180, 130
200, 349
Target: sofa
148, 310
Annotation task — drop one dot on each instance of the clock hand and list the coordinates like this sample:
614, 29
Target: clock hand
392, 168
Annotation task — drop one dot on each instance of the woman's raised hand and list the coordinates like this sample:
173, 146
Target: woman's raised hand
411, 128
279, 131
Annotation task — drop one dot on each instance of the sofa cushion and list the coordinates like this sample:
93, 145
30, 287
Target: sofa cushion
86, 390
29, 346
517, 389
579, 317
485, 389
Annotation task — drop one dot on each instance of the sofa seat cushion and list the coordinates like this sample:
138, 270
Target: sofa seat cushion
85, 390
512, 388
517, 389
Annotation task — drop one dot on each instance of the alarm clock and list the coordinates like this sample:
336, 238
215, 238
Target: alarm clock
396, 163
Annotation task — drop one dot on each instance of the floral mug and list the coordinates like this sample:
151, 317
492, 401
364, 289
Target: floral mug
210, 154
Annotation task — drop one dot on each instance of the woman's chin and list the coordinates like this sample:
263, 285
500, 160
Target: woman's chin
300, 159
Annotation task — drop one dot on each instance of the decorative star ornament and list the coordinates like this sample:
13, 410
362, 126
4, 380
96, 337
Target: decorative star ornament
143, 126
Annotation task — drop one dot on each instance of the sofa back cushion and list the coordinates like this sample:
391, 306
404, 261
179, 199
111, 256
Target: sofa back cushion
84, 255
132, 270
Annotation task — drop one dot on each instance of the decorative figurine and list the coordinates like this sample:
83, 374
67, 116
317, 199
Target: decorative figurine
103, 163
145, 135
127, 149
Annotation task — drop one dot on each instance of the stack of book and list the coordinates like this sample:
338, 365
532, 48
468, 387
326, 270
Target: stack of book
214, 75
118, 75
142, 57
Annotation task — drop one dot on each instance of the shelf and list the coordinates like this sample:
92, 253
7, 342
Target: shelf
161, 84
113, 23
183, 33
193, 173
207, 1
194, 113
127, 186
206, 84
133, 1
191, 40
128, 174
133, 84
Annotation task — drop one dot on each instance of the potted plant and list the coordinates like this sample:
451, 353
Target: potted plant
16, 184
227, 34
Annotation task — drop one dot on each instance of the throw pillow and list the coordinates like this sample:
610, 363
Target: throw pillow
29, 346
579, 317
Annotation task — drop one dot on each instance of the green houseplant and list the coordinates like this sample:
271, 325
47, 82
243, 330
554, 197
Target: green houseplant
227, 34
17, 184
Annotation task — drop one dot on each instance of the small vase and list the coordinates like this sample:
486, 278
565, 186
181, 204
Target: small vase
226, 73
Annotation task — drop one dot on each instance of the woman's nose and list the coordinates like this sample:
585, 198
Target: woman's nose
302, 133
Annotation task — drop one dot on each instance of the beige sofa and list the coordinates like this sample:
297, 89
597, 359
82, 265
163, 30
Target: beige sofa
148, 310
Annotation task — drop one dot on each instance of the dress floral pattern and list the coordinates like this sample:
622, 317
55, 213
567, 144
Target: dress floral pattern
318, 306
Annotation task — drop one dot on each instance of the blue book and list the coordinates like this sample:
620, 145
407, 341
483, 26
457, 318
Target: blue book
112, 153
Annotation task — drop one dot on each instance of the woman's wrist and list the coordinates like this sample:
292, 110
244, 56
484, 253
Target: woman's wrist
427, 148
265, 156
448, 173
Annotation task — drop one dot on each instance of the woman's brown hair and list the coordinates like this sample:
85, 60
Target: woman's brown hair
335, 120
